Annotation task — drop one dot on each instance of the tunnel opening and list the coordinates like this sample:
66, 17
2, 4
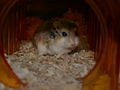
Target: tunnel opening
18, 22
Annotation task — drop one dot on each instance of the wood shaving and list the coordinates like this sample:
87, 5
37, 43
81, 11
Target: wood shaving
49, 72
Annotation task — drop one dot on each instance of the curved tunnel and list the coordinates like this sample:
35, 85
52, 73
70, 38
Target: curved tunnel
103, 30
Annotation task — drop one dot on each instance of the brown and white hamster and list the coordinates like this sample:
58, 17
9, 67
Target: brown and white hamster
56, 37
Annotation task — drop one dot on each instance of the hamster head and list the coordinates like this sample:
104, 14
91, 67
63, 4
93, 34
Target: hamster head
63, 41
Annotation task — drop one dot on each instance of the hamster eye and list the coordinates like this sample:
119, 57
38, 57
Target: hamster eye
64, 34
52, 35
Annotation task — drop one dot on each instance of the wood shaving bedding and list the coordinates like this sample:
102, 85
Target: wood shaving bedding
49, 72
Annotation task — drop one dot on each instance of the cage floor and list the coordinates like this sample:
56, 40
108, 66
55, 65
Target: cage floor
49, 72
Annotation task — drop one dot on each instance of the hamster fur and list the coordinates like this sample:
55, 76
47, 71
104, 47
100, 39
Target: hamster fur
56, 37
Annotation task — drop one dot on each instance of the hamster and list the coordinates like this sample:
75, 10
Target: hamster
56, 37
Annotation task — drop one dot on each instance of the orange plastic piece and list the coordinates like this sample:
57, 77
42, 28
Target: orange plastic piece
7, 76
98, 83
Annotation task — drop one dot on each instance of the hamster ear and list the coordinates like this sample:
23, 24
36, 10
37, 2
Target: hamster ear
56, 24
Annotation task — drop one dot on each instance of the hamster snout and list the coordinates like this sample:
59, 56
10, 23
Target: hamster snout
73, 43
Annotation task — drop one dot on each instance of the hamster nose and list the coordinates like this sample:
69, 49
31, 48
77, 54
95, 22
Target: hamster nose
73, 45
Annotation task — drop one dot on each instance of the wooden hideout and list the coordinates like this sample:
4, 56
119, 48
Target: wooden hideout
103, 33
